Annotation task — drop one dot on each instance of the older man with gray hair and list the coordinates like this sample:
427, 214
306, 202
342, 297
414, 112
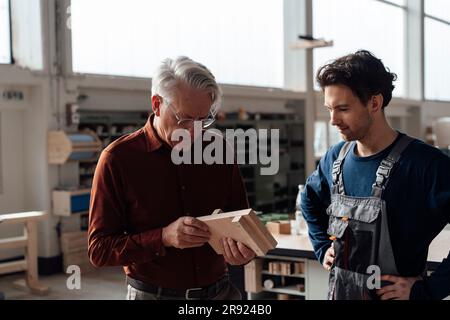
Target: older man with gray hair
143, 206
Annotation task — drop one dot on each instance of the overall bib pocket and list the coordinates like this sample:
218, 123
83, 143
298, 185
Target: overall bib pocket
353, 229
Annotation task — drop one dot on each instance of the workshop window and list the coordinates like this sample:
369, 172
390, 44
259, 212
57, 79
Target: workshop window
5, 32
325, 136
377, 26
242, 42
437, 49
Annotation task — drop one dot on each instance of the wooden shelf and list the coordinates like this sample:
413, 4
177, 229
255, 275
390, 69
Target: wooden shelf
292, 162
294, 275
311, 44
257, 273
287, 290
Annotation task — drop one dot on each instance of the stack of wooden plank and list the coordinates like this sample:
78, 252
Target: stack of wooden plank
286, 268
277, 267
282, 268
74, 249
299, 268
243, 226
273, 267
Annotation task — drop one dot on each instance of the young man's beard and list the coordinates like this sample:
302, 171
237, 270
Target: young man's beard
360, 133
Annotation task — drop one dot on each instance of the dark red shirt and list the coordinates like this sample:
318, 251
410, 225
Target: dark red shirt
137, 191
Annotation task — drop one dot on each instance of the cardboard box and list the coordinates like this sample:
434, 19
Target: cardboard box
279, 227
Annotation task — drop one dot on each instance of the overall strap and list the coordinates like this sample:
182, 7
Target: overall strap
386, 166
336, 173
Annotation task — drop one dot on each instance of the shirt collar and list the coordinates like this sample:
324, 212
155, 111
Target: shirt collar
154, 142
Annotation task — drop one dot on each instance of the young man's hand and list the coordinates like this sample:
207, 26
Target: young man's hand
186, 232
236, 253
400, 289
328, 260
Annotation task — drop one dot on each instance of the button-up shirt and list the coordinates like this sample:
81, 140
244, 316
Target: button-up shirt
137, 190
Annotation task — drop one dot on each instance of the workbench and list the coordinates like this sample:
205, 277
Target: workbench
29, 242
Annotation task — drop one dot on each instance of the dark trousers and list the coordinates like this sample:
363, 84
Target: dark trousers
228, 292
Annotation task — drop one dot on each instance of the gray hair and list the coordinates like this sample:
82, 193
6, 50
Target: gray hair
172, 71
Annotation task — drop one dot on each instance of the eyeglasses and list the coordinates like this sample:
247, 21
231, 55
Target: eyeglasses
189, 122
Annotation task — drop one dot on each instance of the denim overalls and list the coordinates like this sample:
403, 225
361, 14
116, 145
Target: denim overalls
359, 229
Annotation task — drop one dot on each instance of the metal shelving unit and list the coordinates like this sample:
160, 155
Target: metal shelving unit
275, 193
109, 126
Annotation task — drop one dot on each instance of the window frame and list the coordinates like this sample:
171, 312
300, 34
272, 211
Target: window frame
11, 56
405, 92
393, 4
426, 16
296, 82
429, 16
65, 39
293, 81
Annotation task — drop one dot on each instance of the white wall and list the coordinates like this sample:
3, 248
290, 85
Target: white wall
37, 171
23, 140
12, 199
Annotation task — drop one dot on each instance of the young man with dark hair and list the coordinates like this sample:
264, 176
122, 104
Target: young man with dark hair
378, 199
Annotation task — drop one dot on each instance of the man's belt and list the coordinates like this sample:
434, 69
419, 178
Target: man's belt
191, 293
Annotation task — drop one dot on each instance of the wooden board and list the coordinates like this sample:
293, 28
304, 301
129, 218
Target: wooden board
12, 243
79, 259
311, 44
59, 147
279, 227
29, 241
74, 242
14, 218
252, 276
243, 226
263, 232
12, 267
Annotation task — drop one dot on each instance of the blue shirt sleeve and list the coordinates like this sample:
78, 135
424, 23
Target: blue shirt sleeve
316, 199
